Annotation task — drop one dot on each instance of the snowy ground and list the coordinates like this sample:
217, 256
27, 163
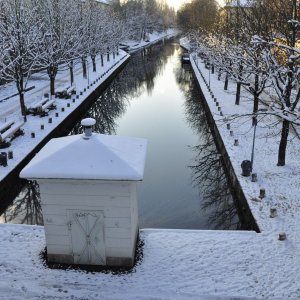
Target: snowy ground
179, 264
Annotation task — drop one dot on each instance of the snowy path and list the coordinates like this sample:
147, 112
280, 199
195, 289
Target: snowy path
42, 85
177, 264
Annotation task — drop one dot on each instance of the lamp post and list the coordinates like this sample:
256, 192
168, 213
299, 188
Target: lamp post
253, 142
254, 135
209, 74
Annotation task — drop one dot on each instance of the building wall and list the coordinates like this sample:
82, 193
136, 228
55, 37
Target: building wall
114, 199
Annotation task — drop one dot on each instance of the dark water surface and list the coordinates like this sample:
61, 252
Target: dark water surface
156, 97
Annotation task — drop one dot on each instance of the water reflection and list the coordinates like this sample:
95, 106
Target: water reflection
26, 208
105, 110
207, 171
133, 81
208, 174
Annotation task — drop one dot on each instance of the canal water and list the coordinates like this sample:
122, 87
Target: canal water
156, 97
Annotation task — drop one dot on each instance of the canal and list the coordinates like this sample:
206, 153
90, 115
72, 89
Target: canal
157, 98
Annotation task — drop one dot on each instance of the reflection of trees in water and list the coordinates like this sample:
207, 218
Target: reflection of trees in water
105, 110
142, 70
152, 63
26, 208
138, 76
209, 176
184, 77
207, 172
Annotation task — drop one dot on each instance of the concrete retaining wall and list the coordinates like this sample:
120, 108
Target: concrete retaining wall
244, 212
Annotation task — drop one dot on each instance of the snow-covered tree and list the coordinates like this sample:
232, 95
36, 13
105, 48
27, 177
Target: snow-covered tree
143, 17
61, 33
198, 14
20, 34
282, 62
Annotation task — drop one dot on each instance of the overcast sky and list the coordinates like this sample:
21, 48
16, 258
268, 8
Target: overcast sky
176, 3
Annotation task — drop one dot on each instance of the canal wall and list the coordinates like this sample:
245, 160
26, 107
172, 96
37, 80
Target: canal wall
11, 184
245, 215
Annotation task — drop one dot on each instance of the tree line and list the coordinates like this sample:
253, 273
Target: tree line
255, 45
53, 35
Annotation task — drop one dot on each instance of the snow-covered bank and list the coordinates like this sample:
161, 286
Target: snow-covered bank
176, 264
10, 110
281, 183
154, 37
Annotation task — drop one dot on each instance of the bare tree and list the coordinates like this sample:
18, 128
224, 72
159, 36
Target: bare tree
143, 17
21, 39
198, 14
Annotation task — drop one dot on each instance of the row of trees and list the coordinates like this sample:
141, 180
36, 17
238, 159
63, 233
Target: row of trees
143, 17
198, 14
54, 34
262, 57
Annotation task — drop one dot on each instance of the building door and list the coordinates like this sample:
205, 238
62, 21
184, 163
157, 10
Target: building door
87, 235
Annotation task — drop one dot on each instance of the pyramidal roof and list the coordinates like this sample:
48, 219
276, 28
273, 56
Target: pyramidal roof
107, 157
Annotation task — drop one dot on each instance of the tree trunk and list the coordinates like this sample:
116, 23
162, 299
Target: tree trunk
52, 71
212, 69
102, 62
93, 57
22, 104
238, 93
71, 67
255, 106
107, 53
283, 143
226, 82
84, 69
52, 85
219, 75
20, 87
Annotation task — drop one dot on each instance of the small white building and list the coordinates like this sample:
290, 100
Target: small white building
88, 196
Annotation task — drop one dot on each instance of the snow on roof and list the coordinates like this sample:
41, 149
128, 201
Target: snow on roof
104, 157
